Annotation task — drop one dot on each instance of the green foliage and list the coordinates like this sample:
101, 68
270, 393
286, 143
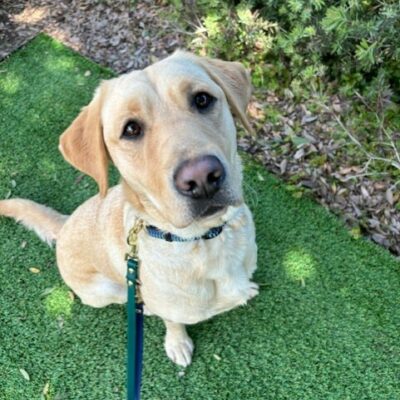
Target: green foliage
235, 33
349, 41
304, 44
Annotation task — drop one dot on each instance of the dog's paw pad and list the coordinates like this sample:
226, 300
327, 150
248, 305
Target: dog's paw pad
179, 350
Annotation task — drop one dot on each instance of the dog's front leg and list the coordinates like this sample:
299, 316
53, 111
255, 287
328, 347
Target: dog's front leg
178, 345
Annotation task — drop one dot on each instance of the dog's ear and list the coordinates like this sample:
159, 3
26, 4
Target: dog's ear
234, 80
82, 144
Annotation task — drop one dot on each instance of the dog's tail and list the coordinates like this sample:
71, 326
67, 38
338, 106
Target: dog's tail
45, 221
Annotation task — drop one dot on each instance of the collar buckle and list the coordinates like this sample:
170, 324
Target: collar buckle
167, 236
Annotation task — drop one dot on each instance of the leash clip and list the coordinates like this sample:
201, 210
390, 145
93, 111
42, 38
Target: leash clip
132, 259
133, 240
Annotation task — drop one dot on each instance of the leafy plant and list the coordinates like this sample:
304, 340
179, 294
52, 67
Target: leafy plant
348, 41
235, 33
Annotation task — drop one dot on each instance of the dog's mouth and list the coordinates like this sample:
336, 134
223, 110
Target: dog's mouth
212, 210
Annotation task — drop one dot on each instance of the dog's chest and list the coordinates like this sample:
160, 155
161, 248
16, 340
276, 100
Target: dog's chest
191, 282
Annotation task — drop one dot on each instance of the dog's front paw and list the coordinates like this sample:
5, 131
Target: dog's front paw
146, 311
248, 293
179, 350
252, 291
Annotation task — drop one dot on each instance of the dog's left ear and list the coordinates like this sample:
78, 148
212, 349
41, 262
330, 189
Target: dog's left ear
82, 144
234, 80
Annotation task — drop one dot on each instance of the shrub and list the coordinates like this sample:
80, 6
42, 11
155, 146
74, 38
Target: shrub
350, 41
233, 32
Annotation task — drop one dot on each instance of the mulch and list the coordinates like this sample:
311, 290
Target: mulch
314, 161
115, 34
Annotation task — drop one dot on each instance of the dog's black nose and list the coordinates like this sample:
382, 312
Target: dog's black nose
200, 178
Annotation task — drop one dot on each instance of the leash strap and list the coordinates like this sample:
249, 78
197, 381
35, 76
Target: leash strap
135, 303
135, 319
139, 348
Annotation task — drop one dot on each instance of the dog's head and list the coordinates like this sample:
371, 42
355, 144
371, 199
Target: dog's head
169, 131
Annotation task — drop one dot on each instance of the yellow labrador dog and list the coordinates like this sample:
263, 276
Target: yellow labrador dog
169, 131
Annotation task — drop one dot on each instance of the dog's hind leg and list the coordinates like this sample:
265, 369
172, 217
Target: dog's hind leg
101, 292
178, 345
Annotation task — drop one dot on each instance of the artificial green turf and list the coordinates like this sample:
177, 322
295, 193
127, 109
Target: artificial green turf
326, 324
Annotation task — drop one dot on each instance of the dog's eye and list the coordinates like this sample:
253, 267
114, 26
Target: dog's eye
203, 101
132, 130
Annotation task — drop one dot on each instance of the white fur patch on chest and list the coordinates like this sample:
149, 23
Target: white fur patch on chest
192, 281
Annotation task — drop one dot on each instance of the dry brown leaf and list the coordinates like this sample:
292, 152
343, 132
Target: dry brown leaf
299, 154
389, 196
25, 374
46, 388
282, 166
364, 192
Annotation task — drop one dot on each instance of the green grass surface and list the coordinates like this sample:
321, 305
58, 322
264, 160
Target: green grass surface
326, 324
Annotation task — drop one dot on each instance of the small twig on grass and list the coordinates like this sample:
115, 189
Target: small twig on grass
252, 194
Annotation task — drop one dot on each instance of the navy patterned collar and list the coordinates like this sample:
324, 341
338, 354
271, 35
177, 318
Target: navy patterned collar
170, 237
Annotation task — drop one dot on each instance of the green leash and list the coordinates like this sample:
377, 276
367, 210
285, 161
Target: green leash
135, 317
135, 303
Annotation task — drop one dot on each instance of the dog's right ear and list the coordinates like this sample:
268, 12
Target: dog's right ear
82, 144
